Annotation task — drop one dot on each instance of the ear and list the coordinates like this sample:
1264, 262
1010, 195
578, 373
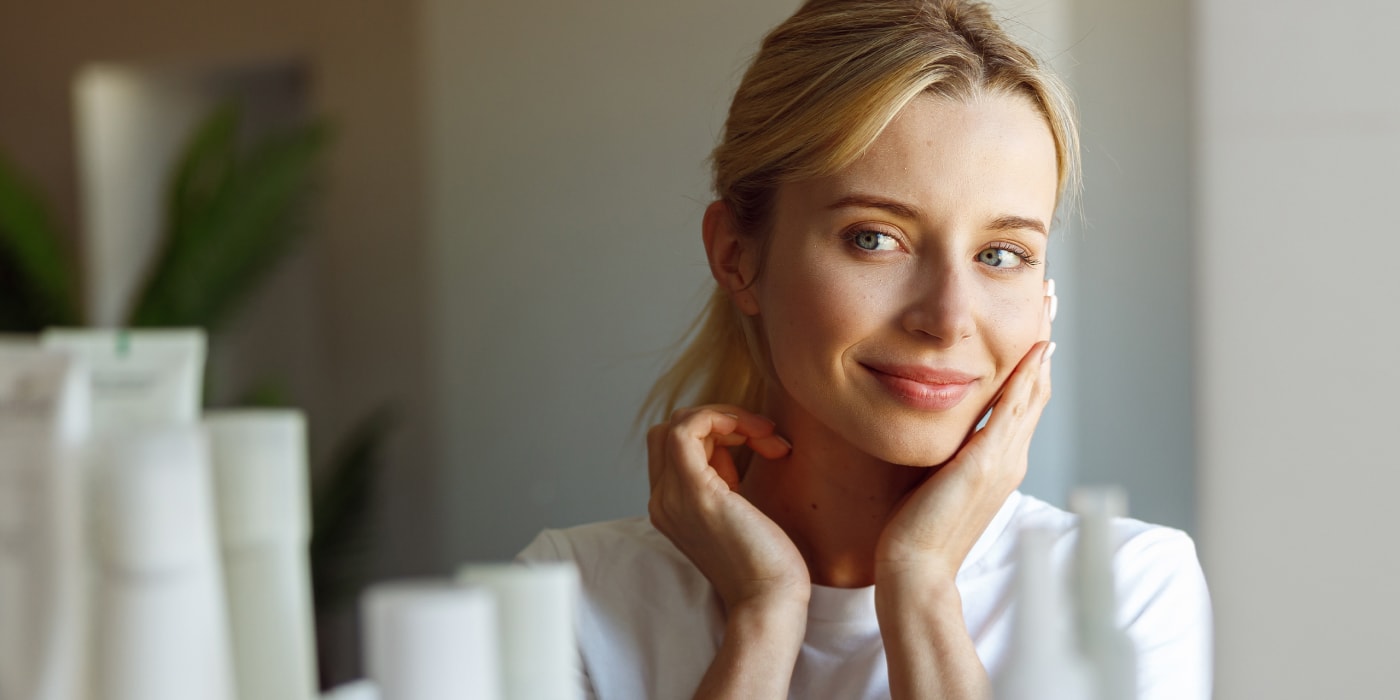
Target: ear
733, 258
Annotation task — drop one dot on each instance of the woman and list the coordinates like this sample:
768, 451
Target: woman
827, 518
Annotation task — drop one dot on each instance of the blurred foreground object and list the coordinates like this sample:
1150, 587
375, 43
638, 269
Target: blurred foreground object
431, 641
260, 476
44, 426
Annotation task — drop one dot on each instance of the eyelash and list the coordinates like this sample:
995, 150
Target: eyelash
850, 238
1018, 251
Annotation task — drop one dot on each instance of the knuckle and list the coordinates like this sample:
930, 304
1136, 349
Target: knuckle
675, 441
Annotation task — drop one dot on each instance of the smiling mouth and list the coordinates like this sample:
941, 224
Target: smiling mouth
924, 388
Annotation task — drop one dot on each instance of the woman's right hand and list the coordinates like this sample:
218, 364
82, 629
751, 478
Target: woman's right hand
695, 501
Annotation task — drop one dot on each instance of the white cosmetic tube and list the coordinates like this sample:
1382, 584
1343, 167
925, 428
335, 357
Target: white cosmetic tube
44, 422
140, 379
161, 628
536, 606
357, 690
431, 641
260, 476
1109, 650
1043, 662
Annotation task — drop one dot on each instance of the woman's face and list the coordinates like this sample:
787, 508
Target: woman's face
898, 294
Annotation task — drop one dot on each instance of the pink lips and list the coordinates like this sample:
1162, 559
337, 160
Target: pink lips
925, 388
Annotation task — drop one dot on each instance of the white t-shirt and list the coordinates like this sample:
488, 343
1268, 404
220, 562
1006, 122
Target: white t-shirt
650, 623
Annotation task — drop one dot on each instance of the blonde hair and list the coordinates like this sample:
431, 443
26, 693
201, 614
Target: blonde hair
822, 88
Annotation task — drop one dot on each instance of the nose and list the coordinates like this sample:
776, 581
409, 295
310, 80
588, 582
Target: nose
940, 306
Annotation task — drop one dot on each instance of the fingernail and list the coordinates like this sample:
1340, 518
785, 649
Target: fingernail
735, 416
1054, 306
1049, 288
1049, 350
783, 440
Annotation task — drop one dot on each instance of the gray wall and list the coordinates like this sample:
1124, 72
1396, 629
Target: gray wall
567, 180
1298, 127
1132, 251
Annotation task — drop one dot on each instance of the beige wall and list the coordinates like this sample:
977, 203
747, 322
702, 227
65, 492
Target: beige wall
1298, 140
343, 320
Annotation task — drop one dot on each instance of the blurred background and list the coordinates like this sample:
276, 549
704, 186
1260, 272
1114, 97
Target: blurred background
502, 248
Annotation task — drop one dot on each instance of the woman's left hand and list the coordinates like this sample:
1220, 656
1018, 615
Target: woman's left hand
931, 532
927, 647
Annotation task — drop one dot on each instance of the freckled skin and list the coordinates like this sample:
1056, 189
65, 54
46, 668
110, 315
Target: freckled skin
830, 309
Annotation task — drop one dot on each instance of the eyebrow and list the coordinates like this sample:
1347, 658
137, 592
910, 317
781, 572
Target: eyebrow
1008, 223
905, 211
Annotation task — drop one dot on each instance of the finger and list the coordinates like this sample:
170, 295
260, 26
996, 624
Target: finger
759, 433
1020, 404
730, 440
690, 445
772, 446
656, 452
1049, 306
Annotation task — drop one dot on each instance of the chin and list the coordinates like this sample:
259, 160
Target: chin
920, 458
923, 451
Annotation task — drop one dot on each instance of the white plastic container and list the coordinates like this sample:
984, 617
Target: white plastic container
260, 480
431, 641
44, 424
356, 690
536, 605
1043, 662
1110, 651
140, 379
160, 625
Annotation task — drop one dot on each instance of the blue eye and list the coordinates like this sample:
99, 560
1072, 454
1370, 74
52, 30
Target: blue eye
874, 241
1005, 258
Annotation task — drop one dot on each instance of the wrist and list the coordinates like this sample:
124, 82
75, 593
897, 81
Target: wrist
771, 616
916, 595
786, 597
762, 639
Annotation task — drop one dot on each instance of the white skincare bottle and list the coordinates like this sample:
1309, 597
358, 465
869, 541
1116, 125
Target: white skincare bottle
535, 603
1043, 662
1110, 652
140, 379
161, 628
260, 481
44, 424
431, 641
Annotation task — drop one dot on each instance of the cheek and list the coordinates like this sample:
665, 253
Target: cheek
1014, 324
812, 315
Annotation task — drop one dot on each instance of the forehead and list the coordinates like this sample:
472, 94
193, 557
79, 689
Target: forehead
992, 155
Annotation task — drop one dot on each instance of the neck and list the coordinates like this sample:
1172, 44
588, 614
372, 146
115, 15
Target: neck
830, 498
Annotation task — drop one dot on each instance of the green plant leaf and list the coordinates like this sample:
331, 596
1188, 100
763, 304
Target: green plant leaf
267, 394
206, 165
230, 220
342, 531
37, 281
